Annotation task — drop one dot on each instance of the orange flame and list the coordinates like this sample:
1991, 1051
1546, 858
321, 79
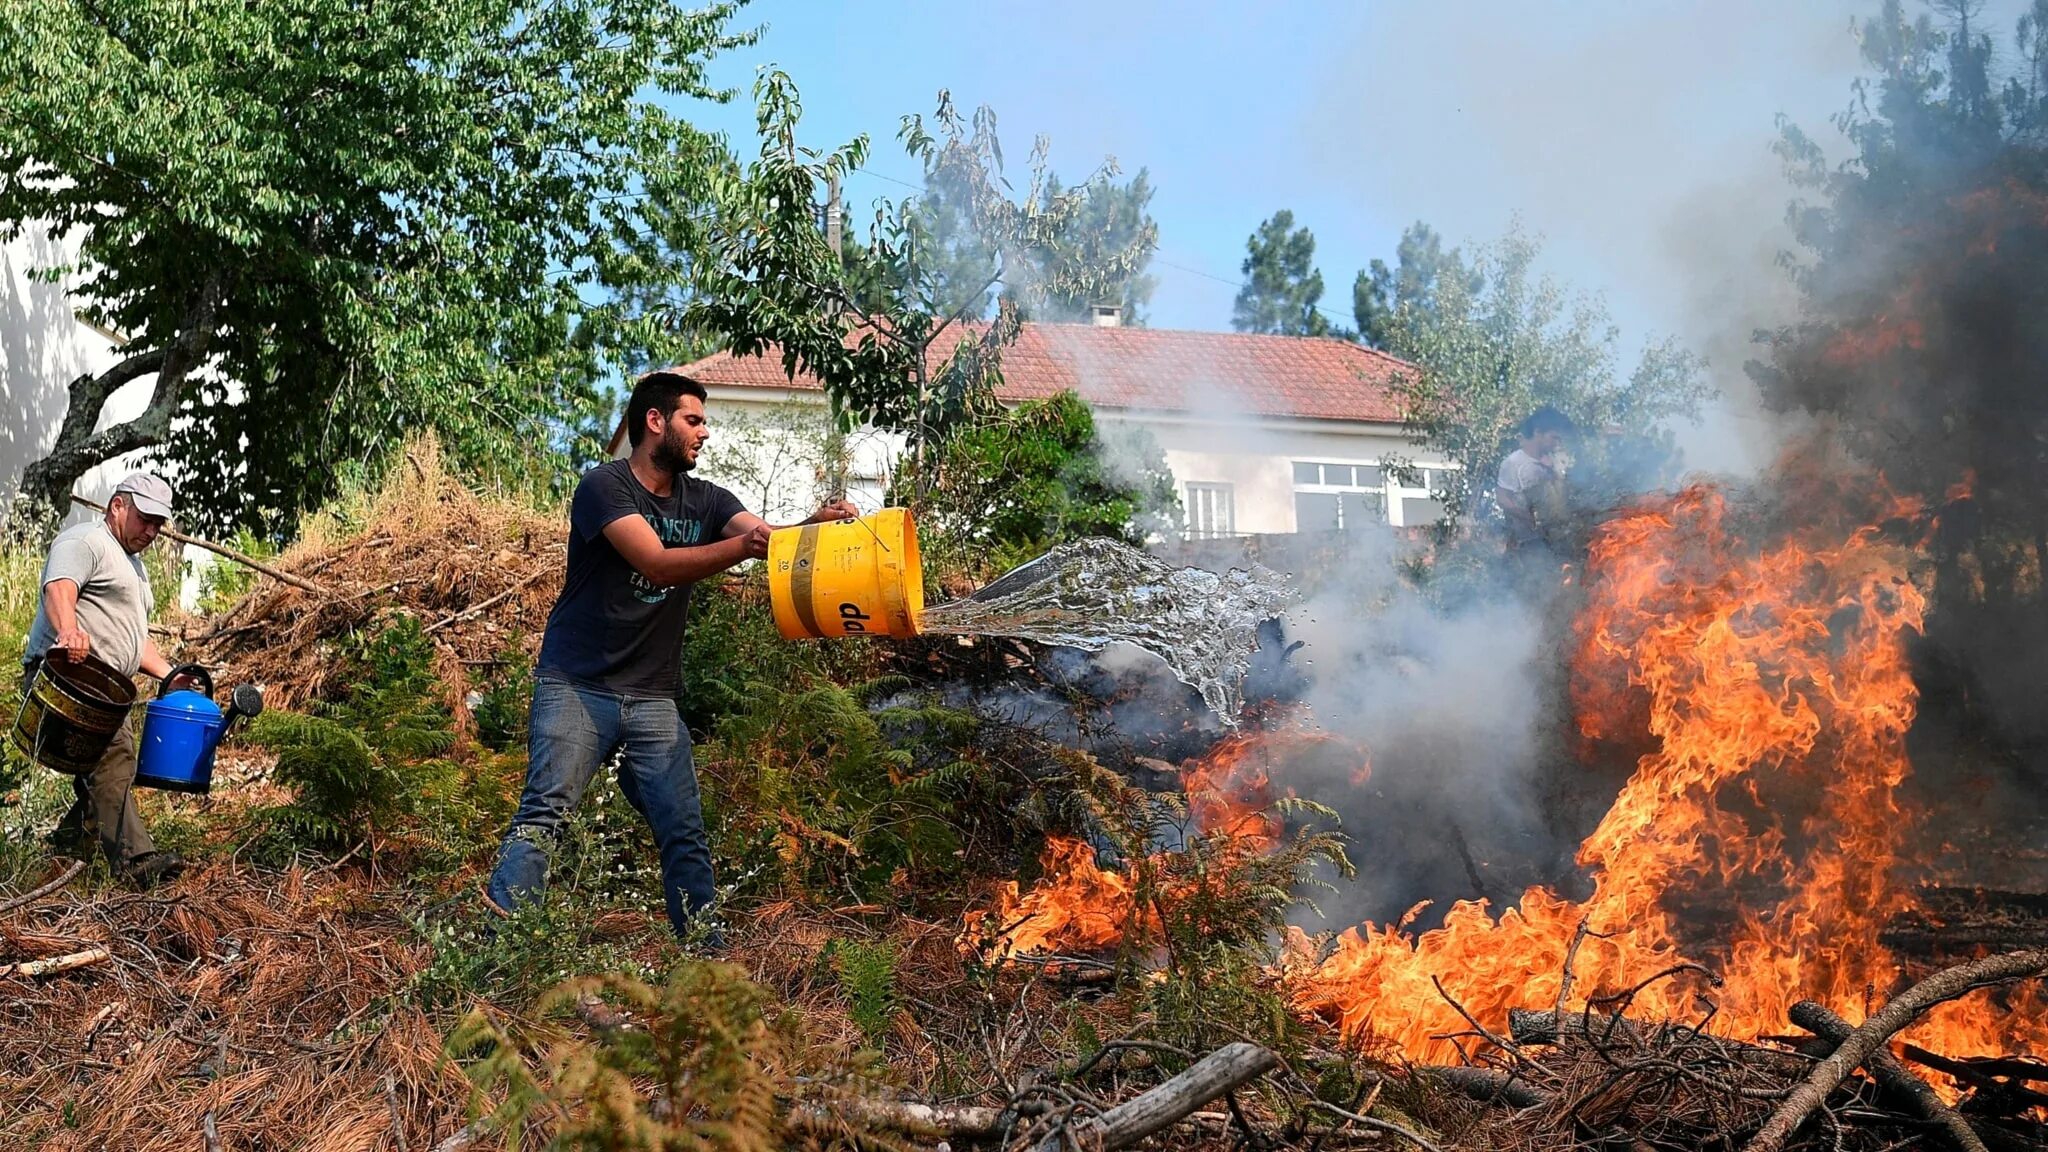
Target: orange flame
1778, 695
1077, 907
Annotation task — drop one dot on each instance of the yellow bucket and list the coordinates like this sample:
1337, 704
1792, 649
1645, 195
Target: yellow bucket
847, 577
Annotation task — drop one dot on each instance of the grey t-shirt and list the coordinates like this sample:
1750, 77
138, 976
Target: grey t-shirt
113, 595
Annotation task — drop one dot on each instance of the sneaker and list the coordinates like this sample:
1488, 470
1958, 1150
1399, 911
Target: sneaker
151, 869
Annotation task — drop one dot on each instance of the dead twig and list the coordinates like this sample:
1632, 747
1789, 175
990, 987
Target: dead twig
1901, 1011
1571, 953
69, 874
483, 606
210, 1133
1377, 1125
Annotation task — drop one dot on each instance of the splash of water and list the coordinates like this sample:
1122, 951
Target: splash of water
1093, 593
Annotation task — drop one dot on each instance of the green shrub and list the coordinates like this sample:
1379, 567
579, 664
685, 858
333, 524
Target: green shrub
1011, 488
361, 764
827, 796
718, 1058
504, 701
733, 645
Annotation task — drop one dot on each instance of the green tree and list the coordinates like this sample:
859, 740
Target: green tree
1013, 487
1281, 283
881, 326
1114, 219
1492, 345
1923, 328
319, 222
1420, 263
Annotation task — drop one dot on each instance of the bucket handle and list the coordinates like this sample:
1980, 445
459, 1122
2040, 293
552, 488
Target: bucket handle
195, 671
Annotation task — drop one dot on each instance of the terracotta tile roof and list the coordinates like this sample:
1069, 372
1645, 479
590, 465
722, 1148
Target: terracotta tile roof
1158, 370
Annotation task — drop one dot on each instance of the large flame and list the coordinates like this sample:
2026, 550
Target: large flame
1758, 836
1775, 689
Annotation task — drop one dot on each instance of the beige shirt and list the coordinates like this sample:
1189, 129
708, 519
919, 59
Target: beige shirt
113, 596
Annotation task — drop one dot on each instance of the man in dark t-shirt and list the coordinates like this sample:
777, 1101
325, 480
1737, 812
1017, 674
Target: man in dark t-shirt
641, 532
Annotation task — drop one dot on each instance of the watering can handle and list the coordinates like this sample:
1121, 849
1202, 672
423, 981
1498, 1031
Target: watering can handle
195, 671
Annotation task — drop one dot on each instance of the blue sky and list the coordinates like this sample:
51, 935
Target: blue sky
1632, 136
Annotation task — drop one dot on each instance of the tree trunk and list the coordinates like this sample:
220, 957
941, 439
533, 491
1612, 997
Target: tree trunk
47, 483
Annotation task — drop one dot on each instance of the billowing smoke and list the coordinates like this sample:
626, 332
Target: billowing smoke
1458, 708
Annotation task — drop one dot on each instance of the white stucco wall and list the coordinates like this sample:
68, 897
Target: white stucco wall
767, 447
780, 472
43, 347
1257, 458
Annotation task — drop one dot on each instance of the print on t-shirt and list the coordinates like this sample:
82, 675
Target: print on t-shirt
671, 532
611, 627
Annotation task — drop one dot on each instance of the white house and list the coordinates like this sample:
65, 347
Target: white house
43, 347
1264, 434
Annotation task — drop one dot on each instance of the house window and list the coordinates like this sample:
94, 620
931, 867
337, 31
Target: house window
1338, 497
1209, 511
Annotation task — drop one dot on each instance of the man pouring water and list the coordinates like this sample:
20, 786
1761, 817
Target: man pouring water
641, 531
95, 603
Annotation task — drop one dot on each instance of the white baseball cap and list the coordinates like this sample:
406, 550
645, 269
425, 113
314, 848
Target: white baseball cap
148, 492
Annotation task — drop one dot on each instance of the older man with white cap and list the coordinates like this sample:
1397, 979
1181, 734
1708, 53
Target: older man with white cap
96, 600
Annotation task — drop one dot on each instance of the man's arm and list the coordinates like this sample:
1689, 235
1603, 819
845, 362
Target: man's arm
667, 567
1515, 509
840, 509
60, 604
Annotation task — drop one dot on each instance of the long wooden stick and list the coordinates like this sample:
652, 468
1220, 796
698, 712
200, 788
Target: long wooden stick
1902, 1011
69, 875
1228, 1068
55, 964
1891, 1075
223, 550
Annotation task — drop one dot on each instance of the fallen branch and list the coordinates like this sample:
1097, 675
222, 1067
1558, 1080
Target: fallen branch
67, 877
1901, 1011
924, 1121
1891, 1075
1980, 1070
1225, 1070
1529, 1026
223, 550
477, 609
56, 964
1486, 1085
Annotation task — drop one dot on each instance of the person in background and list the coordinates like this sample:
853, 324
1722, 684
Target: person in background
641, 531
1530, 487
95, 602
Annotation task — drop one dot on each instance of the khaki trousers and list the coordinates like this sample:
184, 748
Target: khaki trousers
105, 808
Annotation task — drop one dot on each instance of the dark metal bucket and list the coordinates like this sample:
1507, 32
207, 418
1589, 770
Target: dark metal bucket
70, 711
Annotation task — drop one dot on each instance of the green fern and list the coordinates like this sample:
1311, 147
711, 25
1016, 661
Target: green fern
359, 764
867, 977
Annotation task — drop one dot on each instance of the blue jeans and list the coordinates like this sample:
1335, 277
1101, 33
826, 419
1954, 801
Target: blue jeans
573, 730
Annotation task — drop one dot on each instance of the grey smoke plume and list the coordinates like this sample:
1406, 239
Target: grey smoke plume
1459, 709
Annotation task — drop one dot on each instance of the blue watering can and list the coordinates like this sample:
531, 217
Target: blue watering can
181, 730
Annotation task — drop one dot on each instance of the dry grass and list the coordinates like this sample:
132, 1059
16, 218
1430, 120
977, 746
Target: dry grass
267, 1000
480, 573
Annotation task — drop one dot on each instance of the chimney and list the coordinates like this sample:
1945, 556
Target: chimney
1106, 315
